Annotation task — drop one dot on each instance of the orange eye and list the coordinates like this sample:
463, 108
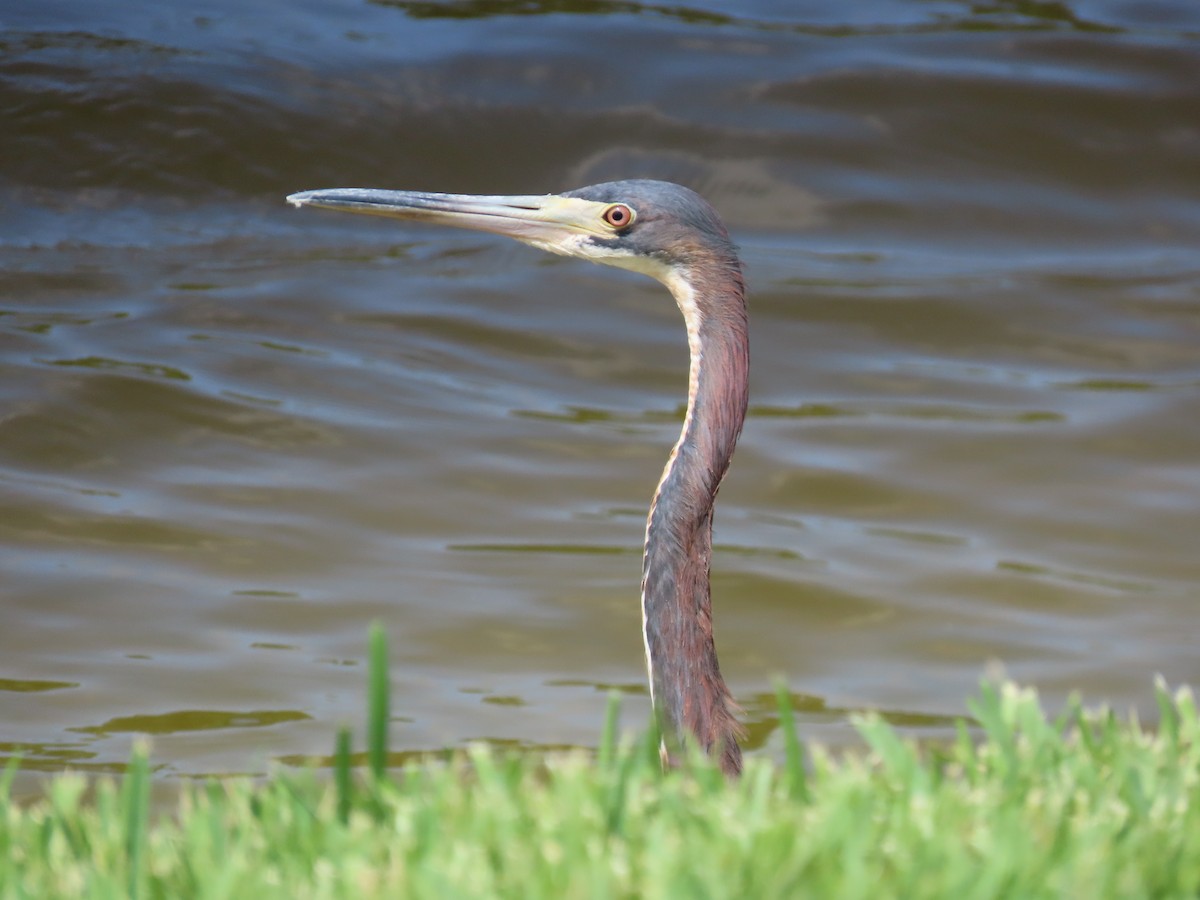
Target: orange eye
618, 215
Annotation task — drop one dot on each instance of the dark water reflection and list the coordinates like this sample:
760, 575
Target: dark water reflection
232, 434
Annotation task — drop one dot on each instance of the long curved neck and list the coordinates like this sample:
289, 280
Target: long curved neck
689, 694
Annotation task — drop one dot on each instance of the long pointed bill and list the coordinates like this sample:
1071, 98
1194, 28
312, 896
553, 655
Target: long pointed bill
549, 221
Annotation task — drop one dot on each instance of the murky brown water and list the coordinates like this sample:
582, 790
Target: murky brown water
233, 434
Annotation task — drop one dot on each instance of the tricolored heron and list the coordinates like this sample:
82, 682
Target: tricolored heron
670, 233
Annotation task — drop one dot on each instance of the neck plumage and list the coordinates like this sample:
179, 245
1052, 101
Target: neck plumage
688, 692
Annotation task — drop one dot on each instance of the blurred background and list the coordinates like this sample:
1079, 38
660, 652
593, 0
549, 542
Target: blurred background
233, 434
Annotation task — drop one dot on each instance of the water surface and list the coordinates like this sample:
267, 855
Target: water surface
232, 434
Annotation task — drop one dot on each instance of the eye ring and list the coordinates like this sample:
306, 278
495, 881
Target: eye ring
619, 216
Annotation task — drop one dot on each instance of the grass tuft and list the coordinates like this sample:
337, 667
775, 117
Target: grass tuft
1081, 805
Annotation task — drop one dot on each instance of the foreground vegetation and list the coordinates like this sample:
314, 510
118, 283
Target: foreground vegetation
1081, 806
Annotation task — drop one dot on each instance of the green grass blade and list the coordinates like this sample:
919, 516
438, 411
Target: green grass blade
10, 772
136, 803
607, 750
793, 753
378, 703
653, 741
343, 775
1168, 718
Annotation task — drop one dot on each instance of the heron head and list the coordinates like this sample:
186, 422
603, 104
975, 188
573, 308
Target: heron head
653, 227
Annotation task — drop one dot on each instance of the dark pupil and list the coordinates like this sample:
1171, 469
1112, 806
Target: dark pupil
617, 216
